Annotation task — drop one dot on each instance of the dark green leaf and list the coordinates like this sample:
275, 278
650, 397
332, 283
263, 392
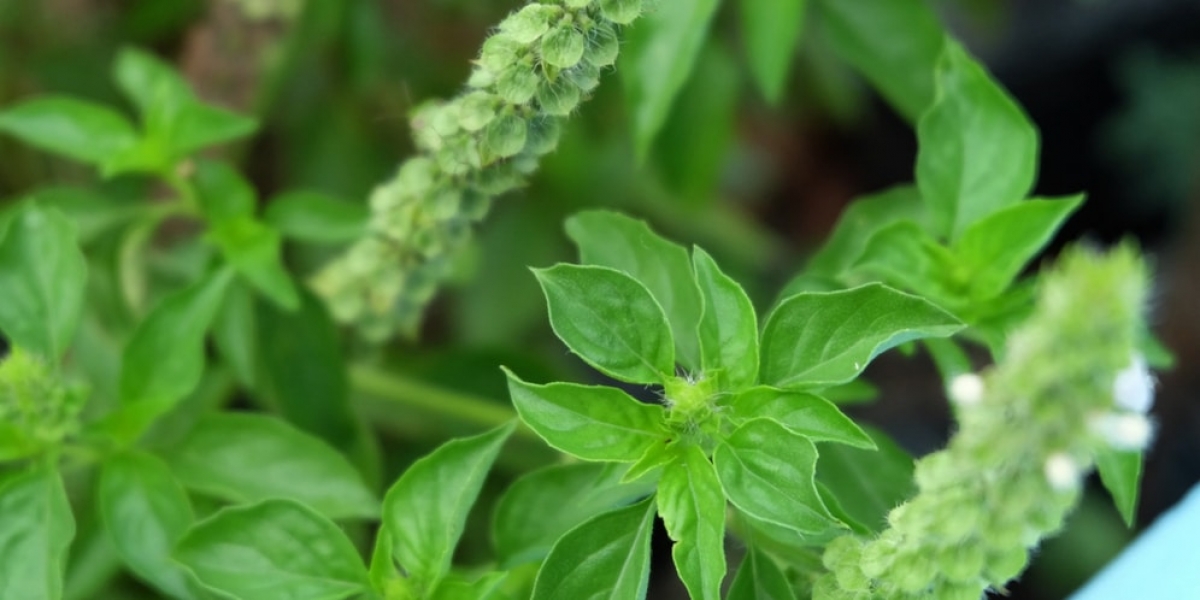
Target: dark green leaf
610, 239
273, 550
589, 422
35, 532
607, 557
235, 334
93, 212
656, 60
314, 217
610, 320
977, 150
994, 249
859, 221
145, 512
767, 472
223, 193
806, 414
247, 457
728, 328
822, 339
72, 128
771, 30
867, 484
42, 278
893, 43
759, 578
426, 510
1121, 473
692, 505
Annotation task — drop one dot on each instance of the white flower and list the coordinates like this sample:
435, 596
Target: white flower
1123, 431
966, 389
1062, 472
1133, 389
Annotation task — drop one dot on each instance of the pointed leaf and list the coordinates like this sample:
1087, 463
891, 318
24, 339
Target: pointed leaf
692, 505
274, 550
256, 251
759, 578
607, 557
149, 82
728, 328
35, 533
42, 278
806, 414
317, 218
425, 511
977, 150
199, 126
771, 31
1121, 473
610, 239
80, 130
859, 221
822, 339
867, 484
589, 422
610, 320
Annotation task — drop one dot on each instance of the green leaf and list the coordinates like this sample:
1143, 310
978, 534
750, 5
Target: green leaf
728, 328
483, 587
426, 510
771, 31
805, 414
243, 457
164, 359
904, 256
223, 193
867, 484
35, 533
858, 222
542, 505
610, 239
235, 335
72, 128
199, 126
692, 505
821, 339
256, 251
383, 568
977, 151
314, 217
610, 320
607, 557
656, 60
589, 422
893, 43
273, 550
767, 472
993, 250
1121, 473
42, 279
759, 578
148, 82
145, 512
93, 212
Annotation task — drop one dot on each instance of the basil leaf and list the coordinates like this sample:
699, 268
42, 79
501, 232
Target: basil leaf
35, 533
858, 222
1121, 474
692, 505
805, 414
759, 578
606, 557
867, 484
76, 129
316, 218
771, 31
729, 327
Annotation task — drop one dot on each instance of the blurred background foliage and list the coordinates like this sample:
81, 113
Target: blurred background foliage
1114, 86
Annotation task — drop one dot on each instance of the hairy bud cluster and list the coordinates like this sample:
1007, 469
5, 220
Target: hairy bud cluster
543, 60
1030, 430
36, 410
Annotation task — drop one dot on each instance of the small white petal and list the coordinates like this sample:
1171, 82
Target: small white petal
1062, 472
1133, 389
1124, 431
967, 389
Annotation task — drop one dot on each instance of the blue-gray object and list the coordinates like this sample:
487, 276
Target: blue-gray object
1162, 563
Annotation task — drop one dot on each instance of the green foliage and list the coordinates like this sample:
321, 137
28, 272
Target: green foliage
34, 535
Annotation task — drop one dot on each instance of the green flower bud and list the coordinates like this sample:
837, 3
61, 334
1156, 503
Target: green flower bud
584, 75
1006, 564
500, 51
517, 84
577, 3
563, 47
558, 98
914, 572
499, 178
543, 135
475, 205
477, 109
621, 12
481, 77
602, 46
505, 136
962, 563
963, 591
528, 24
459, 156
445, 203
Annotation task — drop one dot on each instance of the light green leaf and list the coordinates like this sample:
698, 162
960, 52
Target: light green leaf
35, 533
382, 569
893, 43
859, 221
767, 472
589, 422
223, 193
610, 239
482, 587
244, 457
821, 339
542, 505
199, 126
93, 212
80, 130
607, 557
692, 505
317, 218
993, 250
273, 550
42, 279
425, 511
145, 512
610, 320
256, 251
1121, 473
235, 335
656, 60
806, 414
149, 82
977, 151
728, 328
759, 578
867, 484
771, 30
